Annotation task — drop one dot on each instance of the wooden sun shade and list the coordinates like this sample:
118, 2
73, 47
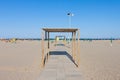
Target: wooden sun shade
75, 43
60, 29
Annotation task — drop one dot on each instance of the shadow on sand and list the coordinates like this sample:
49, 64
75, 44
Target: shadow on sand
63, 53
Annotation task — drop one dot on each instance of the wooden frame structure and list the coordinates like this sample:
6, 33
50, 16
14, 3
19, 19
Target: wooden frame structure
64, 39
75, 43
61, 36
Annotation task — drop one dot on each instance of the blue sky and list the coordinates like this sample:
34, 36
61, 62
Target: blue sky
25, 18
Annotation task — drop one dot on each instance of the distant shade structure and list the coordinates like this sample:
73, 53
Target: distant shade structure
70, 14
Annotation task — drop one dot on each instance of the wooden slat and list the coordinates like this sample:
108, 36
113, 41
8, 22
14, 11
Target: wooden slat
60, 29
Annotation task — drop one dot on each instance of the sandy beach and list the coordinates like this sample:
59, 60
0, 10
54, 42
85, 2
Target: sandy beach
21, 60
100, 60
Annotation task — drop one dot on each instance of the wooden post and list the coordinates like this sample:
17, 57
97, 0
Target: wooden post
47, 50
64, 40
72, 45
75, 46
55, 40
48, 41
45, 35
78, 51
48, 46
42, 47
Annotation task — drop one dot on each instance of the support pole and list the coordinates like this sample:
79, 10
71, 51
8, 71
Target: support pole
42, 47
45, 35
64, 40
47, 50
75, 46
48, 54
48, 41
55, 40
72, 45
78, 51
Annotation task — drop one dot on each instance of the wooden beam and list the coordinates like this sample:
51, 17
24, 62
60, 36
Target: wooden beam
60, 29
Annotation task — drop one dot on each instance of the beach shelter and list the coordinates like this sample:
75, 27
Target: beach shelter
75, 43
59, 38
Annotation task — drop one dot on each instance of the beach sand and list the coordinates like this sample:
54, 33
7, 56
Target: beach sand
98, 60
20, 60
